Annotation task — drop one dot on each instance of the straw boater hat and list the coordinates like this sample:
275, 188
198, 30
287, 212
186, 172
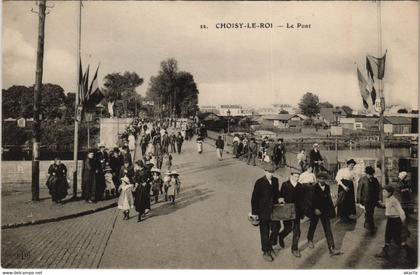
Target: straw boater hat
101, 145
316, 145
174, 172
402, 175
155, 170
107, 168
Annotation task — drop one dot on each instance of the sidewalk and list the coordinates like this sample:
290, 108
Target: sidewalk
19, 210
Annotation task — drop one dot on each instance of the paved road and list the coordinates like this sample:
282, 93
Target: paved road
206, 228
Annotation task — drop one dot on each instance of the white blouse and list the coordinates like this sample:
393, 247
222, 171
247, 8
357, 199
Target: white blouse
345, 173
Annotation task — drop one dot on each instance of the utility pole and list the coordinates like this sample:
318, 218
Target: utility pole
381, 95
36, 128
78, 116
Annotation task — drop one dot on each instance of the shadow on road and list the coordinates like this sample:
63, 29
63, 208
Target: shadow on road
185, 199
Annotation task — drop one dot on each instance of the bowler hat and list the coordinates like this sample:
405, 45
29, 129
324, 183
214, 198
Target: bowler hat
322, 176
269, 167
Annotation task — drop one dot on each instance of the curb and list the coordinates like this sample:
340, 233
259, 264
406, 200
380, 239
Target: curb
56, 219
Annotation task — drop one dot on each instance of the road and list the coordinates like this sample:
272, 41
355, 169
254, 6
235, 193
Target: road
206, 228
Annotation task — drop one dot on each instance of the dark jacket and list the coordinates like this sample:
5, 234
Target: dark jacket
220, 144
314, 156
322, 201
264, 196
293, 195
368, 191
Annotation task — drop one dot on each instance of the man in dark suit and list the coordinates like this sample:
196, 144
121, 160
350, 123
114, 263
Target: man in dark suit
264, 196
369, 191
322, 209
292, 192
315, 158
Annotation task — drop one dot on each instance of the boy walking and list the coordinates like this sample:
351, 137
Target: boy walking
395, 218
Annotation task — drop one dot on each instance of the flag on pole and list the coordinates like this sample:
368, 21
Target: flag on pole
373, 95
375, 66
94, 94
364, 90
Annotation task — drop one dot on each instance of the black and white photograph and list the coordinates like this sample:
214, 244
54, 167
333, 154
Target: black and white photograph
209, 135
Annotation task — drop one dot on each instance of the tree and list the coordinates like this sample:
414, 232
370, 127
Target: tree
347, 109
18, 101
174, 92
123, 87
325, 104
309, 105
402, 111
284, 112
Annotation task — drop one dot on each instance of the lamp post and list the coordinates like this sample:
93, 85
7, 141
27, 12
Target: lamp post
228, 115
336, 113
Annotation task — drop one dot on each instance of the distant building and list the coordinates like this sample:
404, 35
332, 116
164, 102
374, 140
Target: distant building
328, 116
398, 125
393, 109
275, 109
209, 109
282, 121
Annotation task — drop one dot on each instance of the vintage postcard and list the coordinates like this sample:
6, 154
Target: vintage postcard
209, 135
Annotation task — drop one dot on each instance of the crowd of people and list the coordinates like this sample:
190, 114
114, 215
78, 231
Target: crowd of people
309, 195
109, 173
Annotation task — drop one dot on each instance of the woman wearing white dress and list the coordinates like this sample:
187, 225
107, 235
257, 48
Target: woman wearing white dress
346, 204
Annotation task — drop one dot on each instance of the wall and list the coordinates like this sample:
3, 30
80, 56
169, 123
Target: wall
20, 172
110, 129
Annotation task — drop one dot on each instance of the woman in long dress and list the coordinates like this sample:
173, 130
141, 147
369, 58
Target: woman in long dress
57, 181
142, 189
346, 203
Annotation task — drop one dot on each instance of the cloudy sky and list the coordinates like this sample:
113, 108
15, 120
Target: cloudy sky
253, 67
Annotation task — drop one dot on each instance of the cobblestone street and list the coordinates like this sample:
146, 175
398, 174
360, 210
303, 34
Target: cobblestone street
206, 228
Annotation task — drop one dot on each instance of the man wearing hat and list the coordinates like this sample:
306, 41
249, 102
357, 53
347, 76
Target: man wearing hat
368, 193
346, 203
264, 196
315, 158
322, 209
252, 151
292, 192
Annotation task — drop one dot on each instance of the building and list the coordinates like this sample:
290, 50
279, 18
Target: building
329, 116
209, 109
398, 125
275, 109
282, 121
359, 123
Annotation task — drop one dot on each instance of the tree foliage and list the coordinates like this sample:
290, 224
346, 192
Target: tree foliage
309, 105
174, 92
284, 112
18, 101
121, 88
347, 109
325, 104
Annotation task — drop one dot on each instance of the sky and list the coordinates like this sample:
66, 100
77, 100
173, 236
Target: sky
252, 67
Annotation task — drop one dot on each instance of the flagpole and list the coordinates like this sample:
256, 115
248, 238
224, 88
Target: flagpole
76, 118
381, 95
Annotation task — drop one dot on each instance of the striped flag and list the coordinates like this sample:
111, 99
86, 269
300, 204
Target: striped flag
375, 66
364, 88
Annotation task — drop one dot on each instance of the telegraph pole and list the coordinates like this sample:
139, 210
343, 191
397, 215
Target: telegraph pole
78, 115
36, 129
381, 95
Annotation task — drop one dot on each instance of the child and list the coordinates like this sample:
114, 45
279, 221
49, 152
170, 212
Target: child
166, 181
174, 186
126, 200
167, 161
110, 187
395, 218
156, 183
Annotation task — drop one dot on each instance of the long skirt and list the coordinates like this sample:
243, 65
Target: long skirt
57, 187
346, 203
